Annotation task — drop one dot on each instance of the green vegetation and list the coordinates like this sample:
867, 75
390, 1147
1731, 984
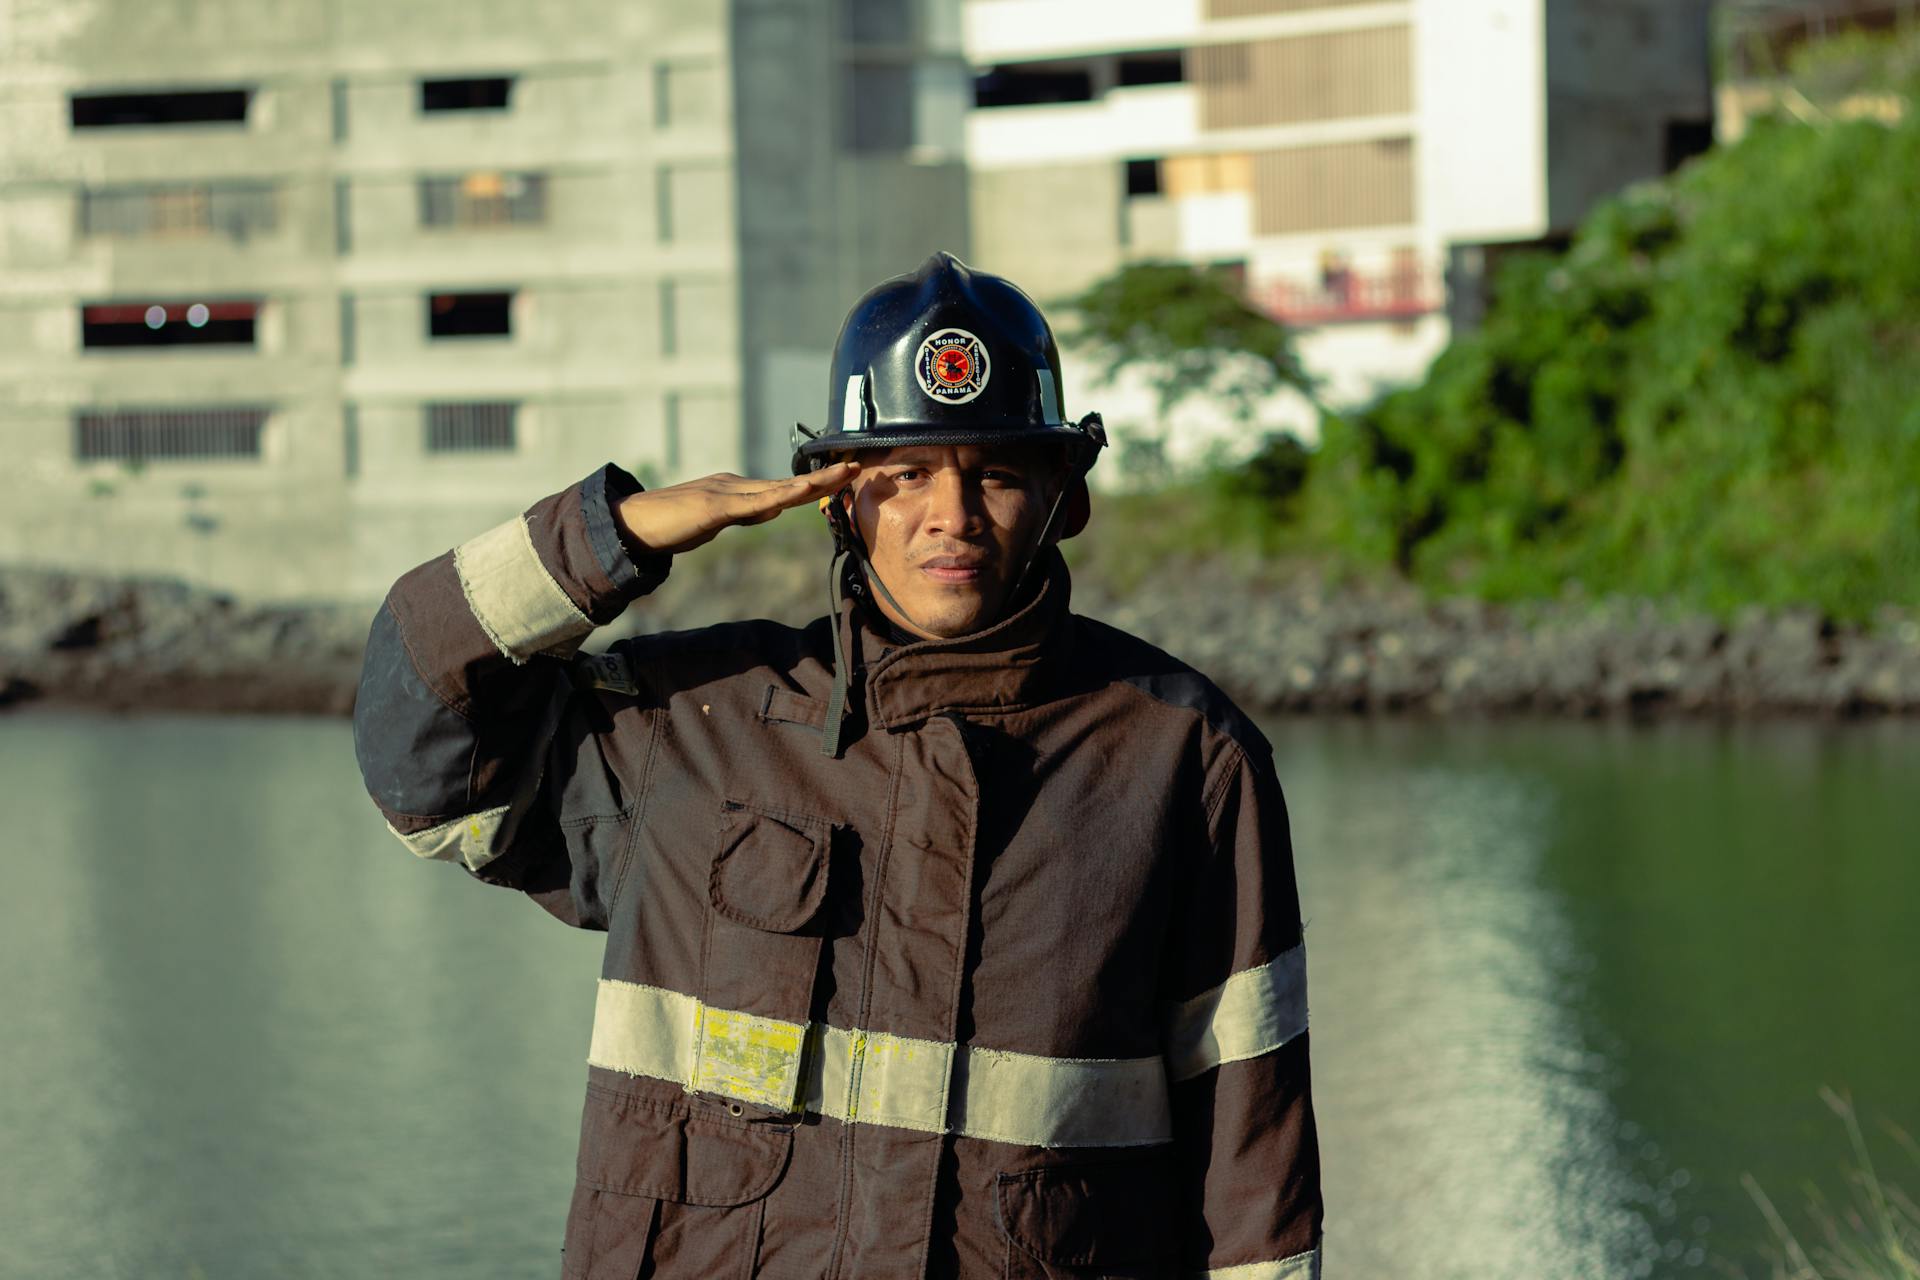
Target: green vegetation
1876, 1237
1712, 397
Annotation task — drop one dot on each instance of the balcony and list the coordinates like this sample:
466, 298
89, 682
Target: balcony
1140, 121
1349, 297
1022, 30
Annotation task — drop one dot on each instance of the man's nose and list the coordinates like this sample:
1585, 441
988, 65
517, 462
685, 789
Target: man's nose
953, 508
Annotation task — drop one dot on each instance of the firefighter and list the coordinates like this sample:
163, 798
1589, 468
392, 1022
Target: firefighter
954, 934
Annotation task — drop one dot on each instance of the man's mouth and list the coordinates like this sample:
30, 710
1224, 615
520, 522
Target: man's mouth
954, 570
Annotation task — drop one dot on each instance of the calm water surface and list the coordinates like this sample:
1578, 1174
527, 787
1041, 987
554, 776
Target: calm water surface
1569, 983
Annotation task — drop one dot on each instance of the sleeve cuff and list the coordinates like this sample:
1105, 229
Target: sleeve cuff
632, 570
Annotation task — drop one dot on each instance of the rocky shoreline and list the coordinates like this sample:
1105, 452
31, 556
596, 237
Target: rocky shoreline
1281, 646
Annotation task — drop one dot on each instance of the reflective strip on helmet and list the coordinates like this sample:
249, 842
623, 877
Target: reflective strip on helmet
1253, 1012
1049, 399
853, 409
513, 597
871, 1077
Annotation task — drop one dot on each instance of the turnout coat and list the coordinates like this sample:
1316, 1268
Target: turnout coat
1014, 986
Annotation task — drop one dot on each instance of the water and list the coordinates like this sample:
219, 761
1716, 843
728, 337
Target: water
1569, 983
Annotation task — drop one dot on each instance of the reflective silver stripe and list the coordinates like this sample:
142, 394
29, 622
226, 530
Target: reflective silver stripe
516, 601
644, 1031
870, 1077
1049, 398
853, 409
1061, 1102
471, 841
1301, 1266
1253, 1012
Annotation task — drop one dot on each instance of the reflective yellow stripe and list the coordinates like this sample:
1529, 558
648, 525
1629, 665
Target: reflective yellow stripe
471, 841
869, 1077
1253, 1012
513, 597
1301, 1266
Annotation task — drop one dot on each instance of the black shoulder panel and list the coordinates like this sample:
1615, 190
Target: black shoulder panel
415, 753
1160, 675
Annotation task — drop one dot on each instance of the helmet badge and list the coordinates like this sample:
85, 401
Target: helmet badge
952, 366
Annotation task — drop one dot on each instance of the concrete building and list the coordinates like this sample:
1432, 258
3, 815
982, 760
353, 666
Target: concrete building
1343, 158
297, 293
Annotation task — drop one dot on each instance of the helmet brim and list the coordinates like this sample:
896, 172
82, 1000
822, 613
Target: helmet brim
906, 434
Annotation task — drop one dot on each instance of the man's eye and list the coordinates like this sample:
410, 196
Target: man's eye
911, 473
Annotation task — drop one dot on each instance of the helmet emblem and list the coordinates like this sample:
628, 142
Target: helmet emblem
952, 366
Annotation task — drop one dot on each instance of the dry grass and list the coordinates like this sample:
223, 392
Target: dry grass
1875, 1235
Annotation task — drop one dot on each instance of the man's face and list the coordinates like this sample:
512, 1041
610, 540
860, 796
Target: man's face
950, 527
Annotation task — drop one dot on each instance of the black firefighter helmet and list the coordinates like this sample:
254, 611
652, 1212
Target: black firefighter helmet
946, 355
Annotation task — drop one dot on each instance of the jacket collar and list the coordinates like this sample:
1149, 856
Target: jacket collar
1005, 666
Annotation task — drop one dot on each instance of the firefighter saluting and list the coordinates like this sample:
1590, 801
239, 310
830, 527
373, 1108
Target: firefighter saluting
954, 934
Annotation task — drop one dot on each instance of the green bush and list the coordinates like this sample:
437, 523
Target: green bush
1713, 396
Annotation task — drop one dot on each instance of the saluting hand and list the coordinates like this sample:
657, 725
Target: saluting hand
685, 516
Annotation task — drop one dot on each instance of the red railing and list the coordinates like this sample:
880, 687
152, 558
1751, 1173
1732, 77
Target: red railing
1348, 296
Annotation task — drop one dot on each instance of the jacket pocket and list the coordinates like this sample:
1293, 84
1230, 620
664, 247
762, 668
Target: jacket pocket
1103, 1216
654, 1177
761, 956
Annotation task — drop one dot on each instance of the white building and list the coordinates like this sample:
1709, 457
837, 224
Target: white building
297, 293
1335, 154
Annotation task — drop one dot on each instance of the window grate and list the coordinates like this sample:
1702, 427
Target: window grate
235, 210
483, 199
167, 435
475, 427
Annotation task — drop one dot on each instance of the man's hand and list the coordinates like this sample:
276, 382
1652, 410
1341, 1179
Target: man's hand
688, 515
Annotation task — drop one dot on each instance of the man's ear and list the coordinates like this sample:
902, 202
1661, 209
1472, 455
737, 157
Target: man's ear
1079, 509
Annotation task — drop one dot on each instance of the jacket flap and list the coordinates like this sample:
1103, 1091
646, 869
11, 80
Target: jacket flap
1109, 1213
640, 1148
770, 870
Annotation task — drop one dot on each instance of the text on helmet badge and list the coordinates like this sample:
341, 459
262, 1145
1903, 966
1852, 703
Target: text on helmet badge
952, 366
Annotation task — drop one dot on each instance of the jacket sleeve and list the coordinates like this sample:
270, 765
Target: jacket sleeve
466, 681
1249, 1164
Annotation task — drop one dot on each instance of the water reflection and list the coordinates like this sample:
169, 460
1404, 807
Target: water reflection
1569, 983
1466, 1118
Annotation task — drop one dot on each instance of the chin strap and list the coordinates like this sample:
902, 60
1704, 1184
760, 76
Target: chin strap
837, 698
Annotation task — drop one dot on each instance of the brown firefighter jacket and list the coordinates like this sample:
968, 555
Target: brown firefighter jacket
1012, 987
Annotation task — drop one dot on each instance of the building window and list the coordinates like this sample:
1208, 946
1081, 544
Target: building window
166, 435
1160, 67
148, 110
1143, 177
470, 315
1027, 86
476, 427
223, 322
484, 198
484, 93
237, 210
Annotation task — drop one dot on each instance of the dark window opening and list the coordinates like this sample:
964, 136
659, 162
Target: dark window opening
166, 435
1026, 87
1152, 68
484, 427
168, 324
1685, 140
133, 110
485, 93
1143, 177
470, 315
